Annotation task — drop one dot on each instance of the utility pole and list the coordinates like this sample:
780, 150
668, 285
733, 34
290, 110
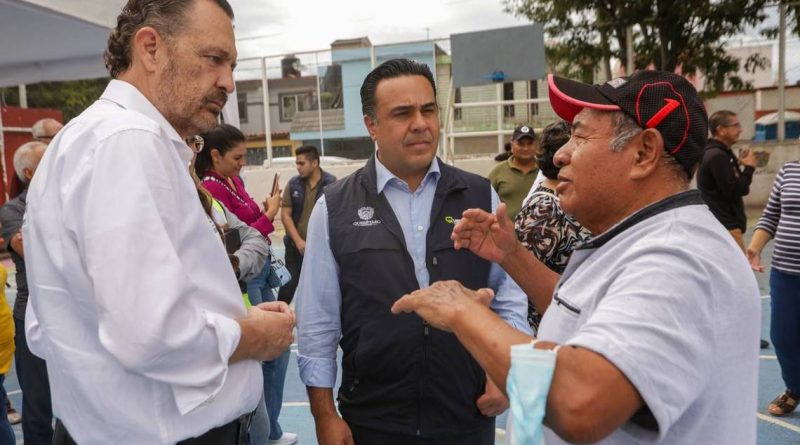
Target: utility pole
630, 66
782, 72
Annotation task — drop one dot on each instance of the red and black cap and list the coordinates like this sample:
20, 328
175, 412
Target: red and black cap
654, 99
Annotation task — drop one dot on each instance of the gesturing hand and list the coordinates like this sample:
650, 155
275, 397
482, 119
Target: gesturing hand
491, 237
440, 303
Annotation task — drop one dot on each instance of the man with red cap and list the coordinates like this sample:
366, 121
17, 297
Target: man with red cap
654, 336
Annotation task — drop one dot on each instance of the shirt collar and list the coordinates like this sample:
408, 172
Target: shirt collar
129, 97
511, 165
384, 175
687, 198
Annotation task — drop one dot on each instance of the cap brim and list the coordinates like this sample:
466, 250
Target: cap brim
568, 97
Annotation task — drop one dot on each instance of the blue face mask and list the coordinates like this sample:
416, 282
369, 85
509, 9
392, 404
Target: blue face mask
527, 385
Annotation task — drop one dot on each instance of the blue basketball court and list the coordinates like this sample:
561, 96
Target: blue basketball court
296, 416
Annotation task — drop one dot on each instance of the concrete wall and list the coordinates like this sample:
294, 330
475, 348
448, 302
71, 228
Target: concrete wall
747, 104
744, 105
259, 179
779, 154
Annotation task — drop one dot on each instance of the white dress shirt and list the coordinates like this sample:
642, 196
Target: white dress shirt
133, 300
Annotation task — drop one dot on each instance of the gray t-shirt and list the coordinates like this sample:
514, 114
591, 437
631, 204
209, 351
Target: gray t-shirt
669, 299
11, 219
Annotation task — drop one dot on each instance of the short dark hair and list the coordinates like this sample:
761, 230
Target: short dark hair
387, 70
308, 151
222, 138
720, 118
168, 17
554, 136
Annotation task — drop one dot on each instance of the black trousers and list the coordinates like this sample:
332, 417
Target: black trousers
294, 263
37, 409
365, 436
232, 433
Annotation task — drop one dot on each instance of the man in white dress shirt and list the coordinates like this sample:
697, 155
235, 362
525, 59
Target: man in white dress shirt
133, 301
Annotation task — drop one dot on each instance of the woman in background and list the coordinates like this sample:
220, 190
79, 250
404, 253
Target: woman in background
218, 166
541, 226
781, 220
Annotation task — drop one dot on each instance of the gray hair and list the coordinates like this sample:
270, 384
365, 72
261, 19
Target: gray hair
23, 158
625, 129
168, 17
39, 129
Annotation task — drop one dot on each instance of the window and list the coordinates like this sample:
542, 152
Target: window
291, 103
534, 94
241, 99
508, 94
457, 112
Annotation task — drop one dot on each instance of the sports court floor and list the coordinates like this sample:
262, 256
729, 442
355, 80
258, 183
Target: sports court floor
297, 418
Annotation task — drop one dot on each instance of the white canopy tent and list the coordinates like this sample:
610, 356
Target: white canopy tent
57, 40
48, 40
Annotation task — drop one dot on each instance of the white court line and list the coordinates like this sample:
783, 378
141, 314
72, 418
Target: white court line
296, 404
769, 357
765, 297
774, 421
13, 393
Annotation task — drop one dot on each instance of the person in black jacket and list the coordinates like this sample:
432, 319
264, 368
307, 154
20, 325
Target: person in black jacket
723, 179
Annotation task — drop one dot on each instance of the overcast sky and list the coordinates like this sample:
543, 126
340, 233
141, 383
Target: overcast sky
277, 27
303, 25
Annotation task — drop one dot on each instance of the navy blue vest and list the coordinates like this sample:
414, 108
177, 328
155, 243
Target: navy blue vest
400, 375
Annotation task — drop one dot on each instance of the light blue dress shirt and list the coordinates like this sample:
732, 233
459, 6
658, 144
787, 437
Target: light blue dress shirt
318, 298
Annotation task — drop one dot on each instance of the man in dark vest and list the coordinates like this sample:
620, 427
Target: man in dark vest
298, 201
382, 232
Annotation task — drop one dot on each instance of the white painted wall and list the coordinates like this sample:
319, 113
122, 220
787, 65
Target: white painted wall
259, 179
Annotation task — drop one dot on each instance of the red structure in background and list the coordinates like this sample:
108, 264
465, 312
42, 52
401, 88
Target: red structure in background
14, 118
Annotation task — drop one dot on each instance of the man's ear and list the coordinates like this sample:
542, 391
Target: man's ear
28, 174
648, 153
370, 124
146, 46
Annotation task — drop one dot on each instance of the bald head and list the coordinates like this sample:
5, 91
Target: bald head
27, 158
46, 129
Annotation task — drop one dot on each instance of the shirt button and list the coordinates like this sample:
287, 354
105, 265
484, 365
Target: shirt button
419, 228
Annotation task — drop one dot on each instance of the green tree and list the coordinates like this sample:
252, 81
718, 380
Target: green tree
689, 35
71, 97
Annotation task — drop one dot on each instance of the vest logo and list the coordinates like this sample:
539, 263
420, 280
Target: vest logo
366, 214
451, 220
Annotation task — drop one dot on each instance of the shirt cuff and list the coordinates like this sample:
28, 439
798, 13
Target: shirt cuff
228, 334
317, 372
264, 225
